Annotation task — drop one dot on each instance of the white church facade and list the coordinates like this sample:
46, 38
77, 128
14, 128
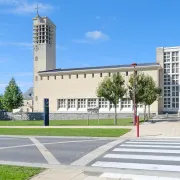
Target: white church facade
74, 90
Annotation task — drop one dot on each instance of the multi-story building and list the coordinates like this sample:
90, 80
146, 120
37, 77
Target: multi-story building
74, 89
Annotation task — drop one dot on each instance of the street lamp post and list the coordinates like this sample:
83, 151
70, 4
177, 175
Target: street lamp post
134, 92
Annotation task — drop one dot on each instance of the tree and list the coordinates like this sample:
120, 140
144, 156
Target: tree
152, 93
112, 89
140, 83
1, 103
13, 97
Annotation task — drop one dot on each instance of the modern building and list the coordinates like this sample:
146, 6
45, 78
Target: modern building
74, 90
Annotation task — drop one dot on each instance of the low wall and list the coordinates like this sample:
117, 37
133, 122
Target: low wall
60, 116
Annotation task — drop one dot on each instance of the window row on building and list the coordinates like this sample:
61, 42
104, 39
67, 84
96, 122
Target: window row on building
77, 75
102, 103
171, 80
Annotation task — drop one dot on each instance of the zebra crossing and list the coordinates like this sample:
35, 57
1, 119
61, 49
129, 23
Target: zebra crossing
143, 154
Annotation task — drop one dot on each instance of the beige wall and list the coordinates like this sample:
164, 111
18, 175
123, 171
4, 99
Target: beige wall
80, 87
27, 106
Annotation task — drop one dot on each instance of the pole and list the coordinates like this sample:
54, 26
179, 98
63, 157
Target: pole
134, 96
137, 124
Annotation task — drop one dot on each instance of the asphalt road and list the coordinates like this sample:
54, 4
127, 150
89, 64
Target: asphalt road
47, 150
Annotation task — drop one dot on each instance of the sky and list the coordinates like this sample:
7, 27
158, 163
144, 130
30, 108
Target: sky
89, 33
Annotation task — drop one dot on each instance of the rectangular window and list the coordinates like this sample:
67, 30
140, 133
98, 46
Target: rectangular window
166, 57
77, 76
71, 103
167, 103
41, 78
92, 75
69, 76
47, 77
109, 74
55, 77
175, 102
139, 105
126, 73
100, 74
103, 103
81, 103
84, 75
126, 103
112, 105
175, 56
62, 77
167, 91
92, 103
61, 103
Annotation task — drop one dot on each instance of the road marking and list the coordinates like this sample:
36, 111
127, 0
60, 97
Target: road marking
146, 150
28, 145
163, 143
134, 177
83, 161
142, 157
47, 155
149, 167
151, 146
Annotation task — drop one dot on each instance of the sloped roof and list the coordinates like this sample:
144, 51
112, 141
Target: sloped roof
28, 95
99, 67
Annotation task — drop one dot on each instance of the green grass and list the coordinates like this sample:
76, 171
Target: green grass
102, 122
17, 173
64, 132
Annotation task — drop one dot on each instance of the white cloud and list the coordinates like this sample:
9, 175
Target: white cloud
24, 6
62, 48
24, 44
92, 36
95, 35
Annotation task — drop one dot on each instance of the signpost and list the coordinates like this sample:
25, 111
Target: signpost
46, 112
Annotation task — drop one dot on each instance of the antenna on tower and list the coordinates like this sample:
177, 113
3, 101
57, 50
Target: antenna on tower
37, 9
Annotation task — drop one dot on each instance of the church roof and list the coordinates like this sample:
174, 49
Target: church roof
28, 95
100, 67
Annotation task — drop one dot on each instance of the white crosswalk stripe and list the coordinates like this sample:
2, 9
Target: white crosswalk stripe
150, 155
134, 177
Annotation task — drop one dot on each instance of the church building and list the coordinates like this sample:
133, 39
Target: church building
73, 90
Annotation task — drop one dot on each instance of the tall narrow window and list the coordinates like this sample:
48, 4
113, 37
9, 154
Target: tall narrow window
109, 74
84, 75
126, 73
48, 78
77, 76
92, 75
100, 74
69, 76
62, 77
55, 77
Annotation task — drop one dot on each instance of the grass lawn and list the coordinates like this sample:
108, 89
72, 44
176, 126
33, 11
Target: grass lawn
64, 132
102, 122
17, 173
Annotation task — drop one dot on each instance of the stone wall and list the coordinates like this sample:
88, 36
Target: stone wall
60, 116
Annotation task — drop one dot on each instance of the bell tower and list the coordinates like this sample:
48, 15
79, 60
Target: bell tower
44, 52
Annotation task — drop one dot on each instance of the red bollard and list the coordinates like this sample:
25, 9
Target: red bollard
137, 124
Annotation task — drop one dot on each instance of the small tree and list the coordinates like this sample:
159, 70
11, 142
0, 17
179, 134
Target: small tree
1, 103
13, 97
140, 83
112, 89
152, 93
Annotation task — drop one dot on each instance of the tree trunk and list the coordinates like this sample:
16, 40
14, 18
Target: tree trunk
115, 115
144, 112
149, 111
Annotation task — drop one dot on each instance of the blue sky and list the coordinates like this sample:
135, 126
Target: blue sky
89, 33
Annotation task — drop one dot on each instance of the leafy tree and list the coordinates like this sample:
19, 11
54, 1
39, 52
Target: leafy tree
13, 97
140, 83
112, 89
151, 94
1, 103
